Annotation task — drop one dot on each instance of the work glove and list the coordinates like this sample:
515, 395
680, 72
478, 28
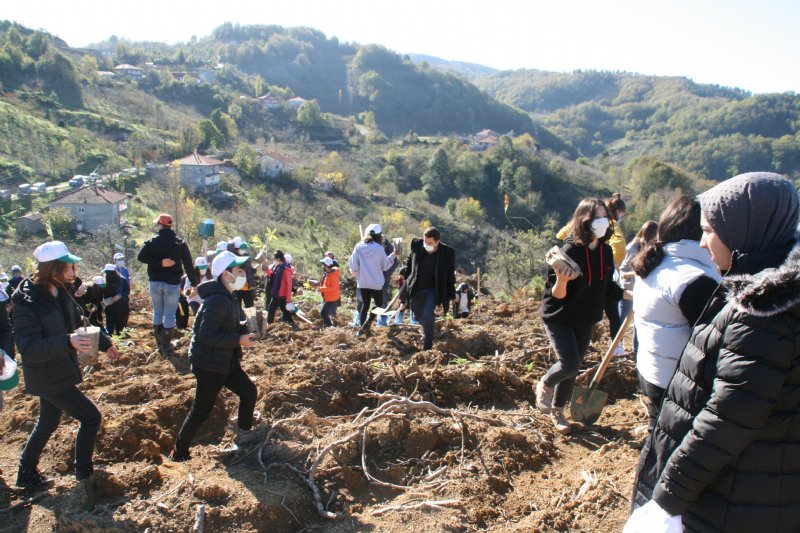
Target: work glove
651, 518
108, 301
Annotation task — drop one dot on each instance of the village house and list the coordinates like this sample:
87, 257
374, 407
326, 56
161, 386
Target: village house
93, 206
129, 71
295, 102
273, 164
30, 224
269, 101
200, 173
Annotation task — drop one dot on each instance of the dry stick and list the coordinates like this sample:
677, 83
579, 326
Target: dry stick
427, 505
199, 519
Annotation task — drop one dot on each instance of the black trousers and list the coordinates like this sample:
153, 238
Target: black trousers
367, 296
247, 297
655, 397
278, 303
611, 308
207, 389
570, 342
117, 317
73, 402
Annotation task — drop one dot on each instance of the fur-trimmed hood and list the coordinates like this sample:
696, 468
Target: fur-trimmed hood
770, 292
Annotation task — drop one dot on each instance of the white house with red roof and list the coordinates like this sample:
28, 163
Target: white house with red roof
273, 164
93, 206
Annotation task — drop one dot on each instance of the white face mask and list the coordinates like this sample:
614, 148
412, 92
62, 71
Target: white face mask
429, 248
3, 285
120, 263
600, 227
238, 283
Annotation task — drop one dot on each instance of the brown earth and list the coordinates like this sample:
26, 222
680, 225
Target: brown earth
453, 425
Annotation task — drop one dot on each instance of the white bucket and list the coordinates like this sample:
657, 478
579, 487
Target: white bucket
91, 356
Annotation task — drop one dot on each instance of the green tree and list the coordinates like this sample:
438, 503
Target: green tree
210, 135
309, 115
246, 160
189, 138
436, 180
61, 223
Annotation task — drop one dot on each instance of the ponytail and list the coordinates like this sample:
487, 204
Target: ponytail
648, 259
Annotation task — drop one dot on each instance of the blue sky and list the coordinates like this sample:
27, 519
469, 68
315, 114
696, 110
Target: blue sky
752, 44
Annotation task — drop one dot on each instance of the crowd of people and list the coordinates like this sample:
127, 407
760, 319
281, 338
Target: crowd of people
713, 286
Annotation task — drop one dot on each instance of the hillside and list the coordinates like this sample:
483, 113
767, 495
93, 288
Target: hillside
713, 131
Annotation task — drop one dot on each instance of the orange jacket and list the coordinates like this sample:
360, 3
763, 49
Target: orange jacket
330, 286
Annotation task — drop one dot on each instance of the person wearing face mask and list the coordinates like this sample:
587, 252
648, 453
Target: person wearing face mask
202, 273
4, 282
16, 279
723, 453
116, 300
431, 281
616, 212
46, 318
119, 262
573, 303
219, 334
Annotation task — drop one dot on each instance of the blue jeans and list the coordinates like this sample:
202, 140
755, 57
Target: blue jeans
328, 310
165, 303
423, 304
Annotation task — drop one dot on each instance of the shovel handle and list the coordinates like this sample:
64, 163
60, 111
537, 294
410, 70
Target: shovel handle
610, 353
382, 311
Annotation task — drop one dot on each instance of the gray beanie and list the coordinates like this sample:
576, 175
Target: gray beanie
752, 212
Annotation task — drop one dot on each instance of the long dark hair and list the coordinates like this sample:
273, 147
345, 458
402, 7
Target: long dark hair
580, 226
112, 282
647, 233
680, 220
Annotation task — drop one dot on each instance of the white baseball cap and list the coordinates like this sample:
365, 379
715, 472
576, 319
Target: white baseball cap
374, 229
118, 256
16, 267
226, 260
222, 246
287, 258
52, 251
109, 268
237, 241
201, 263
98, 280
327, 261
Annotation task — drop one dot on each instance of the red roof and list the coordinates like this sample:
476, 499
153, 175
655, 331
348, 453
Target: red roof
198, 160
90, 195
283, 158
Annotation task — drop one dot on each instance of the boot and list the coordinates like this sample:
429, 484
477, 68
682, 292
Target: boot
544, 397
179, 457
158, 332
32, 479
169, 336
83, 473
560, 421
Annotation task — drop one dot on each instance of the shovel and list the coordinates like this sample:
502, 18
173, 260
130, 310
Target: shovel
383, 310
587, 402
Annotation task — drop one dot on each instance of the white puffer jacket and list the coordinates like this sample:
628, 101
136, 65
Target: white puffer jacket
661, 328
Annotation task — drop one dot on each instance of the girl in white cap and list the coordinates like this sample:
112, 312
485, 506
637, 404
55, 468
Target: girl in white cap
116, 300
202, 273
216, 348
367, 263
45, 320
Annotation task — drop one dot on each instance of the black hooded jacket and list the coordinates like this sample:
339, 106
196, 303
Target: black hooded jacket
217, 328
725, 452
42, 326
167, 245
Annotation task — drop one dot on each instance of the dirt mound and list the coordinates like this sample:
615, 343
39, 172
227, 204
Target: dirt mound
353, 434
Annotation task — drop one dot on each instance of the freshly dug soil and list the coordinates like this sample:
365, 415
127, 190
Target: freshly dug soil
398, 439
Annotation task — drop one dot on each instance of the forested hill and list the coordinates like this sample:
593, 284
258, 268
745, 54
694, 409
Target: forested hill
707, 129
345, 78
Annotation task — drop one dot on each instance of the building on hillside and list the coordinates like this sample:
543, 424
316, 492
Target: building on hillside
274, 164
200, 173
93, 206
129, 71
296, 102
105, 76
207, 75
30, 224
485, 139
269, 101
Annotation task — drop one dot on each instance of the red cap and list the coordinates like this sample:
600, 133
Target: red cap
165, 220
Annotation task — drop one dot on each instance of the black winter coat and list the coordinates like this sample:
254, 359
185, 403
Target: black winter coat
725, 452
167, 245
42, 326
217, 328
6, 333
445, 272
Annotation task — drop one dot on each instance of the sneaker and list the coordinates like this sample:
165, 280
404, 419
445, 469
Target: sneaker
32, 479
560, 421
544, 397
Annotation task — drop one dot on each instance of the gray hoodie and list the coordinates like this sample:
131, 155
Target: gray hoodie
368, 263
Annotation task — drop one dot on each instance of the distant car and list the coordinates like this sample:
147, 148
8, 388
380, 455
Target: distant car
25, 189
76, 182
39, 187
5, 194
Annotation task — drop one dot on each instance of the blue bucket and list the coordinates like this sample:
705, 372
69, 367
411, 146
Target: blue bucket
207, 228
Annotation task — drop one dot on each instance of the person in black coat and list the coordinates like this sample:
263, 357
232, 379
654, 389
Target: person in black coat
723, 455
216, 348
573, 303
116, 300
46, 317
167, 256
431, 281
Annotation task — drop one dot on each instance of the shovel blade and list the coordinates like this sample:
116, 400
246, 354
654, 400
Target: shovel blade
587, 404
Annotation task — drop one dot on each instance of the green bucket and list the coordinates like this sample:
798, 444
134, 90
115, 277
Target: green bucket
207, 228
